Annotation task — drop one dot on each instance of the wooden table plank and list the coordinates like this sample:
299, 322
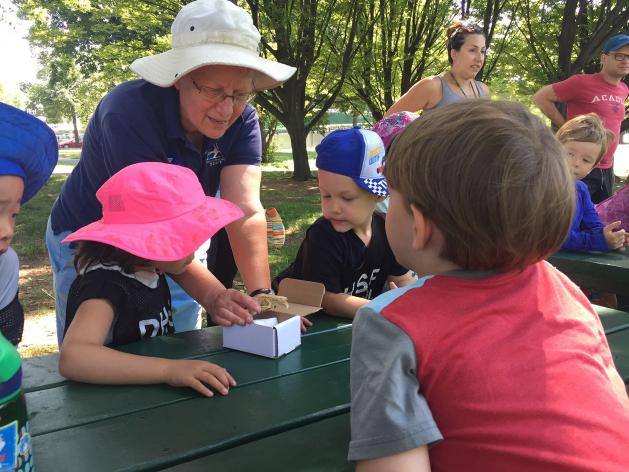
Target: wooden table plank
321, 446
185, 431
607, 271
42, 372
612, 320
75, 404
619, 345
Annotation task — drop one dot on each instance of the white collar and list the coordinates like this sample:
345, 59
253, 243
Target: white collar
150, 279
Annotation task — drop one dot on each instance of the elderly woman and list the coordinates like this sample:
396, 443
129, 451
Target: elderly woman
191, 107
466, 54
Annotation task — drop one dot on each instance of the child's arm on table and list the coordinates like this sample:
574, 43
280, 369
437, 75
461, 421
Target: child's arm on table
84, 358
342, 304
415, 460
401, 280
616, 239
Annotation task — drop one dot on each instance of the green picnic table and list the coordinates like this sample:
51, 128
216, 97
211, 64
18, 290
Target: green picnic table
286, 414
606, 271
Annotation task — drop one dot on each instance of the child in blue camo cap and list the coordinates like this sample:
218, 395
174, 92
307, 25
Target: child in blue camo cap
346, 249
28, 155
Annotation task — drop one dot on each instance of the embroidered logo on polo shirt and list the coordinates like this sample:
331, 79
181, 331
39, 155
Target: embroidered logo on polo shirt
213, 156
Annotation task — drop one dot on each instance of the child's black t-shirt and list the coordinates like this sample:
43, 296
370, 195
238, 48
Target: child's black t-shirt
142, 308
342, 262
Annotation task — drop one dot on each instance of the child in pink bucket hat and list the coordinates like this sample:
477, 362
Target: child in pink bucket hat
155, 215
388, 128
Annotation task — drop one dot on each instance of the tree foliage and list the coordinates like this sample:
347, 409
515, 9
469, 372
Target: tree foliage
401, 41
359, 56
318, 37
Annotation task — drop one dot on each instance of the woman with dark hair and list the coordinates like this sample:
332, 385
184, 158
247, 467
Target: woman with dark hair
466, 54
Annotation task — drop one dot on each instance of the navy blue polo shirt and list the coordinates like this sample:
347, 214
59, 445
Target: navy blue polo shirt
138, 122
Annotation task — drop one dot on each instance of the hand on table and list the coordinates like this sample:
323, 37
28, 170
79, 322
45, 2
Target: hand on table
305, 324
233, 307
615, 239
195, 374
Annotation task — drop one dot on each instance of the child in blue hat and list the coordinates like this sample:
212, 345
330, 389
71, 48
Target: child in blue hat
346, 249
28, 155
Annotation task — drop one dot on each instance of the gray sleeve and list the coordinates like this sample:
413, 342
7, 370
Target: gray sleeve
9, 273
389, 415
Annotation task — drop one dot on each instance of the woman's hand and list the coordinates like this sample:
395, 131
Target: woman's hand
196, 374
231, 307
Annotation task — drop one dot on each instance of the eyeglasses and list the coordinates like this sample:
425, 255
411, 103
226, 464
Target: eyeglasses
213, 95
619, 56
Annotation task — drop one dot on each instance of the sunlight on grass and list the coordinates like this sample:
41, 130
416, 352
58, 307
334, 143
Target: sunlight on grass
37, 350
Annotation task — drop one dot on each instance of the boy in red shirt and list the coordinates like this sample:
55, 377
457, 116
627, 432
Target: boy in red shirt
493, 358
603, 93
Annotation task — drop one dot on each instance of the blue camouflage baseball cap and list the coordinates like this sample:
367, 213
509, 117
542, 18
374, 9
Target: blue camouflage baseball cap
28, 149
615, 42
357, 153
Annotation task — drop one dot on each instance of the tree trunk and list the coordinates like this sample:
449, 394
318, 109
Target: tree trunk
76, 127
296, 131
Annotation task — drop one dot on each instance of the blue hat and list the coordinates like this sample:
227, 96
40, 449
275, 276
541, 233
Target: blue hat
615, 42
28, 149
356, 153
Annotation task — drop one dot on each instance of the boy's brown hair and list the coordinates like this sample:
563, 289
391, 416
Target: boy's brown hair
491, 177
587, 128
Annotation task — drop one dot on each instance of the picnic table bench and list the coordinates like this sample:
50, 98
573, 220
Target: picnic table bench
606, 271
285, 414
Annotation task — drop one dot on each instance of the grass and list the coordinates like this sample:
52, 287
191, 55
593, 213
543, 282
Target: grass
297, 202
31, 223
70, 153
284, 160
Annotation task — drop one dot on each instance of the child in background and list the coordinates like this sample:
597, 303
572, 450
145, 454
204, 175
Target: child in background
493, 357
28, 155
388, 128
149, 227
585, 140
347, 249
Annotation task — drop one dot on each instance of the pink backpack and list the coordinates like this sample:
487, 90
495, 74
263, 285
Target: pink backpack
615, 208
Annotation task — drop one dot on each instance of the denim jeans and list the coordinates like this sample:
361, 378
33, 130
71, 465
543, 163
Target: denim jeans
186, 311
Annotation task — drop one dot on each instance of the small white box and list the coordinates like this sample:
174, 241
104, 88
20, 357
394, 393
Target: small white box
276, 333
265, 337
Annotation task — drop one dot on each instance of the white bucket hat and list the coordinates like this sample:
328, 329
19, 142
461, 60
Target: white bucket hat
207, 32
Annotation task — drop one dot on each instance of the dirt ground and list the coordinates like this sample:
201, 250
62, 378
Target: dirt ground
36, 292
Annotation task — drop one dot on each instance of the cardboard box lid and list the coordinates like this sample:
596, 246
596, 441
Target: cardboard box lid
304, 297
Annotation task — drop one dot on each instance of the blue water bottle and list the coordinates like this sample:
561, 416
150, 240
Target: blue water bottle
15, 440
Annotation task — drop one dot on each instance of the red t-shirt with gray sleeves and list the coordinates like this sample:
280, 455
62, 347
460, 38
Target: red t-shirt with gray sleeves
591, 93
512, 370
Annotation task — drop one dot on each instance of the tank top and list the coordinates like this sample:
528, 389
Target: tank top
448, 96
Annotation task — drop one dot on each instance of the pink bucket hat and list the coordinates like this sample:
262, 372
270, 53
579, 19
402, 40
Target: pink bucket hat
391, 125
156, 211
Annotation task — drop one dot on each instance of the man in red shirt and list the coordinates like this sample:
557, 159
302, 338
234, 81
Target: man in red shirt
602, 93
